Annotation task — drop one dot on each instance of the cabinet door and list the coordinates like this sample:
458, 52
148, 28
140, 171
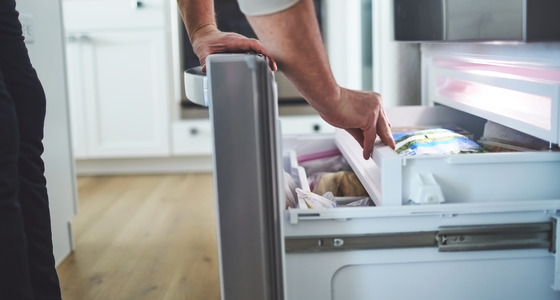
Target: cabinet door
76, 94
123, 93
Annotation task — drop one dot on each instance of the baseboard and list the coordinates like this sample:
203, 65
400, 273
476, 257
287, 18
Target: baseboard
164, 165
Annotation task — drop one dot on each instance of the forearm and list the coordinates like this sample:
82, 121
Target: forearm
293, 39
198, 16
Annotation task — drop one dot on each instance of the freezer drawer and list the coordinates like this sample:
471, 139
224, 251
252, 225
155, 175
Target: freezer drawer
393, 180
487, 248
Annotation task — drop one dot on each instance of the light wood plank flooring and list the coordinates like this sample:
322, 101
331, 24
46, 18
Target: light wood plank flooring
143, 237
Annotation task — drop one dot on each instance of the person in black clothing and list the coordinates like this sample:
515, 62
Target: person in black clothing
27, 266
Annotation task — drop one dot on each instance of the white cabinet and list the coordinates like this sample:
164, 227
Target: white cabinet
118, 79
194, 136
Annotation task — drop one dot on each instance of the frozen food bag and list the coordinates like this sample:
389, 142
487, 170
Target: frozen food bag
433, 141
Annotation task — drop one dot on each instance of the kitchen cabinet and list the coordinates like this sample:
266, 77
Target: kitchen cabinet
118, 77
194, 136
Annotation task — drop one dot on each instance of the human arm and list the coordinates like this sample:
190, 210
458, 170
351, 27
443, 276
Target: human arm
205, 37
293, 38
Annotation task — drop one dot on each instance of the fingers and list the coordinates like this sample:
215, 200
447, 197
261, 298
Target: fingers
384, 130
357, 134
236, 43
256, 47
203, 65
360, 137
365, 139
369, 139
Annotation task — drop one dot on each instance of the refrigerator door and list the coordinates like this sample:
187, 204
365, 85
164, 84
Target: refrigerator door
242, 103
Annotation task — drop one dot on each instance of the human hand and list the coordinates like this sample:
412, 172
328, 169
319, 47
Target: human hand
210, 40
361, 114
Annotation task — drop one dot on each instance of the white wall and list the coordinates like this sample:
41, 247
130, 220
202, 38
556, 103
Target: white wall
396, 65
342, 30
46, 49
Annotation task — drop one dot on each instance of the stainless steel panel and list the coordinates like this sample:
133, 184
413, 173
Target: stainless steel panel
480, 20
243, 111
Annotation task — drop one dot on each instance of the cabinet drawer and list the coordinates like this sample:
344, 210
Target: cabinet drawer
91, 15
304, 125
193, 137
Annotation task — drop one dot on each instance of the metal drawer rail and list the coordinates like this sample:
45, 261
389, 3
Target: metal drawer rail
447, 238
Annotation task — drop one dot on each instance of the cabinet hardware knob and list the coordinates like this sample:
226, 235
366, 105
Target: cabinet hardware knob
78, 38
316, 127
85, 38
194, 131
72, 38
136, 4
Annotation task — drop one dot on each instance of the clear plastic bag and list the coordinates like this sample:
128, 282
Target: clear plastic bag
316, 201
332, 163
290, 191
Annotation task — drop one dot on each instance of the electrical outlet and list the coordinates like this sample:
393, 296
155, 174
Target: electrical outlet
27, 27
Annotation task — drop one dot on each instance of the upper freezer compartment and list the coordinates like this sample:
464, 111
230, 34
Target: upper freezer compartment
519, 92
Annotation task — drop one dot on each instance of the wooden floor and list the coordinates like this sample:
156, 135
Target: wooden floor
143, 237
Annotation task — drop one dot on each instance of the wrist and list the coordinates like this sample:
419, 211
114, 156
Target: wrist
330, 102
202, 30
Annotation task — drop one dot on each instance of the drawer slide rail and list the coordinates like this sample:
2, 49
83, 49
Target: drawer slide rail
447, 239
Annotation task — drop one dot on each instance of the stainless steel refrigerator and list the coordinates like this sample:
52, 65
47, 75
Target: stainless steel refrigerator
457, 226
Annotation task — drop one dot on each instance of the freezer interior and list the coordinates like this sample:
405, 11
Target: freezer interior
461, 225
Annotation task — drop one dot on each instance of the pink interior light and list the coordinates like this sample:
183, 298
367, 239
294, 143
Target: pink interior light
535, 73
528, 108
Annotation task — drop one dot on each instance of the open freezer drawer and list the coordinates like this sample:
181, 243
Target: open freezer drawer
496, 242
392, 180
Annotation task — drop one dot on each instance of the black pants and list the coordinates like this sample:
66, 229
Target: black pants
27, 267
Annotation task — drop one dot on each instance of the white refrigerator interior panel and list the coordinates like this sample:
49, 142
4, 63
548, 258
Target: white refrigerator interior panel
421, 280
400, 274
384, 257
517, 86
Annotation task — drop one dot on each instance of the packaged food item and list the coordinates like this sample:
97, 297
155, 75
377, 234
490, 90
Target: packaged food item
329, 179
340, 184
324, 162
290, 191
316, 201
499, 138
432, 141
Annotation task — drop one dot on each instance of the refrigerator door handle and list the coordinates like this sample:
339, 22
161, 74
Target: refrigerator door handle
554, 250
196, 86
